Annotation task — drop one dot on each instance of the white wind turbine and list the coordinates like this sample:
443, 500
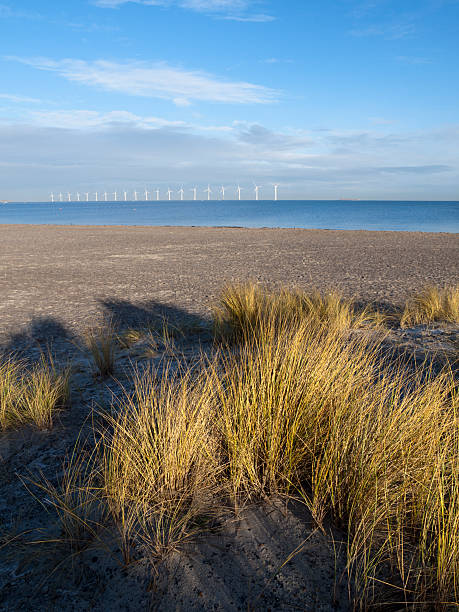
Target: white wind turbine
105, 196
135, 196
125, 196
208, 191
115, 195
257, 192
239, 189
146, 194
194, 190
97, 196
78, 196
182, 193
169, 193
87, 196
276, 187
223, 189
69, 196
52, 197
157, 195
60, 197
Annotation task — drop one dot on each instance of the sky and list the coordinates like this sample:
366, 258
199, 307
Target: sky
328, 98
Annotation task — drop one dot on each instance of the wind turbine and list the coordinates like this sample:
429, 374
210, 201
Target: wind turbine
194, 190
135, 196
68, 196
223, 192
169, 193
115, 195
60, 197
239, 189
146, 194
78, 196
97, 196
125, 196
157, 195
87, 196
52, 197
105, 196
257, 189
181, 192
208, 191
276, 187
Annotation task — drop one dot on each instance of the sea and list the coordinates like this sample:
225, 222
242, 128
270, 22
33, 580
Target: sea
321, 214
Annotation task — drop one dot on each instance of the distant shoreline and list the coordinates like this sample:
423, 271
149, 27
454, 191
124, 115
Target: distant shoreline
214, 227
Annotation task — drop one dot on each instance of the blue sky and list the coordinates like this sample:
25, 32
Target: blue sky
330, 98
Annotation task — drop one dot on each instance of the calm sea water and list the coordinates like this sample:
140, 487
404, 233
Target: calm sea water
369, 215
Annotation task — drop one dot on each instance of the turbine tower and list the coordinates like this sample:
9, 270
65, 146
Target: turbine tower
87, 196
125, 196
60, 197
223, 192
157, 195
257, 190
146, 194
208, 191
69, 196
194, 190
276, 187
239, 189
97, 196
78, 196
105, 196
115, 195
52, 197
181, 192
135, 196
169, 193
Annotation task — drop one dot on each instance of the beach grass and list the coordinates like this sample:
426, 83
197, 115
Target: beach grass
242, 308
432, 304
32, 394
301, 407
101, 341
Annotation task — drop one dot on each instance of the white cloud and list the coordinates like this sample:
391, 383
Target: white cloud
18, 99
237, 10
89, 150
89, 119
155, 80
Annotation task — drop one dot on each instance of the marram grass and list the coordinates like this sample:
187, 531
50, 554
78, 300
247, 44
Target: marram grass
300, 408
31, 394
242, 308
432, 304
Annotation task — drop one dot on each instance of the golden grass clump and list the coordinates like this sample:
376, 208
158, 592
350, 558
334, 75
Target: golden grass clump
159, 464
432, 304
301, 409
243, 308
101, 343
31, 395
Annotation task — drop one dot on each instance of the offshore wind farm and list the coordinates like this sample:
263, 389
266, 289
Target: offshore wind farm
209, 193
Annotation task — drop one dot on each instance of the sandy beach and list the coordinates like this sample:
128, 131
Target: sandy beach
56, 281
70, 275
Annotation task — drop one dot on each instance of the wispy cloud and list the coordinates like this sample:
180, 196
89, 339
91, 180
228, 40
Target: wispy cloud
19, 99
236, 10
89, 119
157, 80
391, 31
415, 61
8, 11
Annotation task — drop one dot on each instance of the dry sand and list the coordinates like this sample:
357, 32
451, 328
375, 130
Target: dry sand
70, 274
54, 281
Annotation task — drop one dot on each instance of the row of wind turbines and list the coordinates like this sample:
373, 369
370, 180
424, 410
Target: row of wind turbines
104, 196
